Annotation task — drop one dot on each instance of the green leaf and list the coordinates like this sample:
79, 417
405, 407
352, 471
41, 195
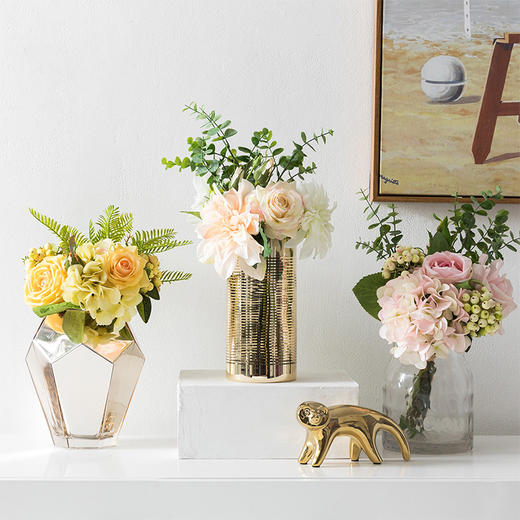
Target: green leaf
53, 308
145, 308
194, 213
125, 333
365, 291
74, 325
438, 243
267, 247
464, 285
154, 294
229, 132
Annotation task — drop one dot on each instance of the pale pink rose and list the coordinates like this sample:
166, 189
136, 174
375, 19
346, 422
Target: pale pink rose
422, 317
499, 285
447, 267
227, 229
282, 208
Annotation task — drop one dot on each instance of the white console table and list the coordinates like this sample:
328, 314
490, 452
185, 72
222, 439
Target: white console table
145, 480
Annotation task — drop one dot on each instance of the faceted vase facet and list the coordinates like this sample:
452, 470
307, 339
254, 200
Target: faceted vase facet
84, 390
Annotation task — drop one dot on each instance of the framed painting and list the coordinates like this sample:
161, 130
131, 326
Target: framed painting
446, 99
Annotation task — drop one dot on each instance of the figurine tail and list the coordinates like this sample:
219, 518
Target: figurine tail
390, 426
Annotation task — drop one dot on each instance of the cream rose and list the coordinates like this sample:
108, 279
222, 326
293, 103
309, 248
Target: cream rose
282, 208
125, 268
44, 281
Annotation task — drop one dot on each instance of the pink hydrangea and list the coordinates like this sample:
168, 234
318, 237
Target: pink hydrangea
499, 285
423, 317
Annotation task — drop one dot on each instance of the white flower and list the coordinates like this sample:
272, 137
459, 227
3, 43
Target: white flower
202, 190
316, 227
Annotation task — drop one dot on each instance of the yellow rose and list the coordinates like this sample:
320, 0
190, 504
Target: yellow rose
43, 282
125, 268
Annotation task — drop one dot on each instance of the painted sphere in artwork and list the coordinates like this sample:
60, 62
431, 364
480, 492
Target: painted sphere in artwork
443, 79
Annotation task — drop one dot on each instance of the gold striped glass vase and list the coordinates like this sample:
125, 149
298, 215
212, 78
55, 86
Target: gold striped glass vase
261, 321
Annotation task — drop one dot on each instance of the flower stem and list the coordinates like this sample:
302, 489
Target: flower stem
418, 401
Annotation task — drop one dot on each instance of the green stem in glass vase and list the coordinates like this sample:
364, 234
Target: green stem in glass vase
418, 401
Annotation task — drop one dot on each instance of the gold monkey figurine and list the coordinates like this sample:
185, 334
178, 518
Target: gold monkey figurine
361, 424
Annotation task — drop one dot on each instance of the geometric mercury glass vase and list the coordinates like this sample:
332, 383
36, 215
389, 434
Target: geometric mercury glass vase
84, 391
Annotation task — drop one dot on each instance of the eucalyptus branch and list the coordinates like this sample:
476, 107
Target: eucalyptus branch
212, 120
297, 155
225, 168
389, 234
461, 232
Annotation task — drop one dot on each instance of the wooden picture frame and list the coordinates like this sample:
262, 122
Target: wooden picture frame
486, 109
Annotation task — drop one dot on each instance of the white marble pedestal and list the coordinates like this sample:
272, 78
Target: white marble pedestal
220, 419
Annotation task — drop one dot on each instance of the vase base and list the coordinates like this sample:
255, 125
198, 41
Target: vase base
284, 375
426, 447
84, 442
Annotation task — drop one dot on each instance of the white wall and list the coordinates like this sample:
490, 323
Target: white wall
90, 101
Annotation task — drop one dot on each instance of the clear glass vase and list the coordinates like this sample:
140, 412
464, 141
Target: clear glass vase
433, 406
84, 391
261, 321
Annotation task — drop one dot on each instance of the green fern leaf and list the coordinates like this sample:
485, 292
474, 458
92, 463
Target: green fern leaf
112, 224
157, 241
68, 232
104, 222
166, 245
121, 226
91, 232
174, 276
48, 222
63, 232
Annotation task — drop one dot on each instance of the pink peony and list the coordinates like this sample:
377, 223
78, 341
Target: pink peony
447, 267
227, 228
499, 285
423, 317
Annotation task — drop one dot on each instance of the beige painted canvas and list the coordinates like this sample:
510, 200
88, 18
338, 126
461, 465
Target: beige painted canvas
447, 121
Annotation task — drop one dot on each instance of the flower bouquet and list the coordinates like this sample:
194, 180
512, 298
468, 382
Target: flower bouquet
436, 301
255, 207
84, 360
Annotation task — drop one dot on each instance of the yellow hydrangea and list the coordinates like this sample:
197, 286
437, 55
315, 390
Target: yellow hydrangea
87, 287
91, 288
86, 251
